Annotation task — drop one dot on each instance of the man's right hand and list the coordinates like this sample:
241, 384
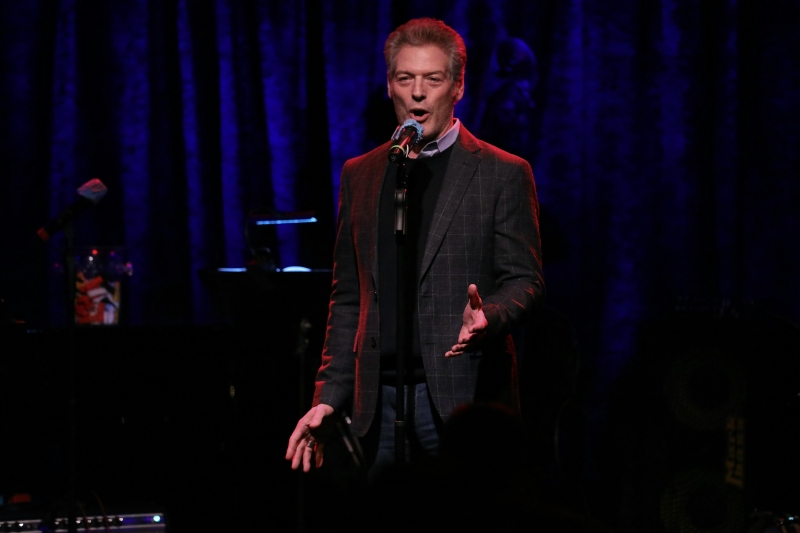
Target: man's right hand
308, 438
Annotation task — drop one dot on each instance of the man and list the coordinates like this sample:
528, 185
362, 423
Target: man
473, 223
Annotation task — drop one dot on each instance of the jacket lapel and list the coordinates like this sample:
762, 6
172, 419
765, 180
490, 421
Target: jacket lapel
461, 168
374, 174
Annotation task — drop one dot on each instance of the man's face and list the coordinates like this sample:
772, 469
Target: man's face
422, 89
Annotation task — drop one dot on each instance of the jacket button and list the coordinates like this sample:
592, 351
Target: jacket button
374, 342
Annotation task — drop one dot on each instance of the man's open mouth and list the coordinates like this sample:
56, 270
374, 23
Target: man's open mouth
419, 114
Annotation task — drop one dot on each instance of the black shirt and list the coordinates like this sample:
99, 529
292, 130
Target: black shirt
424, 183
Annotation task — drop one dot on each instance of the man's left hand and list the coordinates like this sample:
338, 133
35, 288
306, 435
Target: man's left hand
474, 324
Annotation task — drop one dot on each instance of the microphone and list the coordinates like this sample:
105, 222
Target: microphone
404, 136
89, 194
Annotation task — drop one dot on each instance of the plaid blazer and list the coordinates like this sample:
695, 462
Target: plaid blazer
484, 231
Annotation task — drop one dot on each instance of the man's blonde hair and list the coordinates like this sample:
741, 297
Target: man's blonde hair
423, 32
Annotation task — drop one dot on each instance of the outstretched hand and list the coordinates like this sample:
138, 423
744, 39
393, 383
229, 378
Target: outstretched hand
308, 438
473, 326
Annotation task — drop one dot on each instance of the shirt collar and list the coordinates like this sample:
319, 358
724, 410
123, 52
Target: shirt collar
442, 143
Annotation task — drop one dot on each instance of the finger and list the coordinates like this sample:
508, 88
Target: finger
466, 336
468, 340
318, 453
298, 457
475, 301
308, 451
294, 439
290, 450
478, 324
477, 330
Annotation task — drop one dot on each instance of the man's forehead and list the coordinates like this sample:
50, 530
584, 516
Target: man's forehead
428, 58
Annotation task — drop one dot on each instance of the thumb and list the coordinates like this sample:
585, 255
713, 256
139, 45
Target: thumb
475, 301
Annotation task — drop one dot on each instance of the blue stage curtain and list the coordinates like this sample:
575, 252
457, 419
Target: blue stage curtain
663, 136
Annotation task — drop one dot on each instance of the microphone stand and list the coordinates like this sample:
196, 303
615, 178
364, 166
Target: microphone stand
69, 272
89, 194
400, 218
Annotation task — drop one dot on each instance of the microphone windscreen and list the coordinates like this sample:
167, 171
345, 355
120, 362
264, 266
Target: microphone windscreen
410, 123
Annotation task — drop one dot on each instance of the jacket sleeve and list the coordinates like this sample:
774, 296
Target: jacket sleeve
335, 378
517, 251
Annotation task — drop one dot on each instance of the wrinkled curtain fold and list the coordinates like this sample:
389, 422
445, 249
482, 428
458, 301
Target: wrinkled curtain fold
663, 136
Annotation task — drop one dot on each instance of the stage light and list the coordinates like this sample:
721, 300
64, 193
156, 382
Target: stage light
296, 269
286, 221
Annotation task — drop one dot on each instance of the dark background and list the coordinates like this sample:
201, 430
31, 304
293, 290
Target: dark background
663, 136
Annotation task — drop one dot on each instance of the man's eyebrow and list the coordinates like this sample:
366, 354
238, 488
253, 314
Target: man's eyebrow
441, 72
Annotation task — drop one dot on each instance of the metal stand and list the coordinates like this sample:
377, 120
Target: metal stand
72, 453
400, 218
300, 353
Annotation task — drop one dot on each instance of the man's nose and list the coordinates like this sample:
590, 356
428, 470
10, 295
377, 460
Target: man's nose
418, 91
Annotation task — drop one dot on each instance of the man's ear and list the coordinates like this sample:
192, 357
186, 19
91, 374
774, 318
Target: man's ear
389, 87
458, 94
